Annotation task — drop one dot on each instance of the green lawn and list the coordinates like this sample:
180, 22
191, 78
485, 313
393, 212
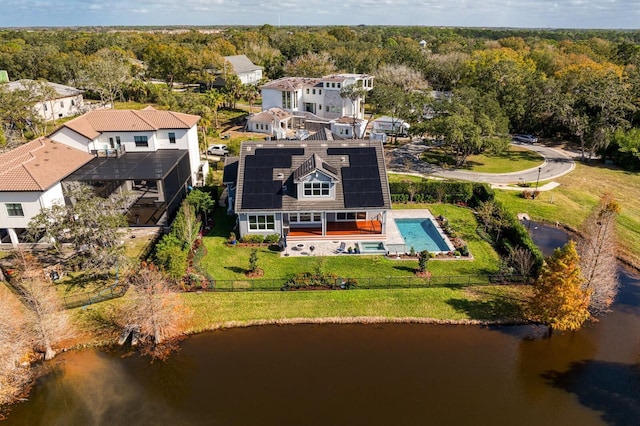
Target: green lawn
514, 159
230, 263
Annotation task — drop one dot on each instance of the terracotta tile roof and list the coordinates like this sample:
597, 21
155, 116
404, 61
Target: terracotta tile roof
270, 115
37, 165
95, 122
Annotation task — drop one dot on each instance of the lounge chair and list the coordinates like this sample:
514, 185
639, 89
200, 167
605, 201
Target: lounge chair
341, 248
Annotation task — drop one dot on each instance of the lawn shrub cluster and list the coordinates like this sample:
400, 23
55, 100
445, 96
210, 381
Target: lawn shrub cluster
259, 239
430, 191
315, 280
514, 234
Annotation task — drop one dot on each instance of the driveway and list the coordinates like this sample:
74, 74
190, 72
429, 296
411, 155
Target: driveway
406, 159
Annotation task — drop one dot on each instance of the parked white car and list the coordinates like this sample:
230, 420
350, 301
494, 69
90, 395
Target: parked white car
219, 150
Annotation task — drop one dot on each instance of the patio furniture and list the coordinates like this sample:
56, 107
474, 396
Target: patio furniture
341, 248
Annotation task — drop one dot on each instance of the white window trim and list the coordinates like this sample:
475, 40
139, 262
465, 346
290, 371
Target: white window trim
257, 223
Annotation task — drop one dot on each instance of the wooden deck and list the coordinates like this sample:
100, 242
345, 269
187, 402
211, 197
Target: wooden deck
364, 227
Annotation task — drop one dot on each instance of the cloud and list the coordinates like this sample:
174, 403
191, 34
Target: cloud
523, 13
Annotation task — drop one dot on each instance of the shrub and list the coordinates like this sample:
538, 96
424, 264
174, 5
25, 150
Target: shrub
423, 258
253, 239
272, 238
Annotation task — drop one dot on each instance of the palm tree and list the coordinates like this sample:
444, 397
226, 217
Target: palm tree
214, 101
251, 93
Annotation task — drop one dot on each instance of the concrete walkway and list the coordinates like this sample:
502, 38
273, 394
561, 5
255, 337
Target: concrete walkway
406, 160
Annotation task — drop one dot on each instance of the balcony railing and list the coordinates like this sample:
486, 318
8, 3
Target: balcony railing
110, 152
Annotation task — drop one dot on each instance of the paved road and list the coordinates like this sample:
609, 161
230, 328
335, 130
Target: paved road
406, 159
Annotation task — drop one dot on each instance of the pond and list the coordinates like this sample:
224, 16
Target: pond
400, 374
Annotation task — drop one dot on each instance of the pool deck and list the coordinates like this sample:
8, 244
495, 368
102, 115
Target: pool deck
392, 240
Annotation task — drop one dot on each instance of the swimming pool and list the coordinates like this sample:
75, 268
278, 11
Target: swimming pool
422, 234
372, 247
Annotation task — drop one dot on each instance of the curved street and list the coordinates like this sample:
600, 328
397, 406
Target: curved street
406, 159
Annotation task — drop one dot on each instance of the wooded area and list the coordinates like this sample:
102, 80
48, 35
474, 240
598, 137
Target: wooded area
579, 84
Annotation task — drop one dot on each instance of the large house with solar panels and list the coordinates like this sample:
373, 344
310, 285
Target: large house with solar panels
318, 190
152, 154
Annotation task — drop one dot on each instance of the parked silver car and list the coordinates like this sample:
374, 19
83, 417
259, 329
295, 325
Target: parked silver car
219, 150
525, 138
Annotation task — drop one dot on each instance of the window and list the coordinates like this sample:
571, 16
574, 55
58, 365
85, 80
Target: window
326, 108
319, 107
14, 210
319, 91
305, 217
117, 140
73, 102
262, 222
351, 216
307, 91
338, 85
62, 104
172, 137
314, 91
141, 140
333, 85
45, 107
317, 189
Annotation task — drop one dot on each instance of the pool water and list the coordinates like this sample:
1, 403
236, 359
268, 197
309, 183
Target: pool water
422, 234
372, 247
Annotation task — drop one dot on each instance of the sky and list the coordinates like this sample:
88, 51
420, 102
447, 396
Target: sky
459, 13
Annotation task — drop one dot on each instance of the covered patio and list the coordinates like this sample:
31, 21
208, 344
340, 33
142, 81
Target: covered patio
157, 180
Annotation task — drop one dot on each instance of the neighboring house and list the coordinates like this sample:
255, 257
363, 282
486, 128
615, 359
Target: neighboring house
66, 101
247, 71
240, 65
318, 96
317, 190
347, 127
273, 122
30, 179
153, 154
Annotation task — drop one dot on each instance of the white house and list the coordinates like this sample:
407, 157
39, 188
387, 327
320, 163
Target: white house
66, 101
30, 180
273, 122
318, 96
111, 133
247, 71
154, 154
323, 190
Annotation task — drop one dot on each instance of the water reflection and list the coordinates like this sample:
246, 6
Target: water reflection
397, 374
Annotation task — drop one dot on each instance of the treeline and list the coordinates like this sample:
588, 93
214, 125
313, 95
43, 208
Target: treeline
578, 84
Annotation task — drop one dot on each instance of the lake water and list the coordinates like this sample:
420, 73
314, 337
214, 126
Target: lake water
401, 374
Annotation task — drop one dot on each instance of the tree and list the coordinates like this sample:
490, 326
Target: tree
253, 260
214, 100
232, 90
106, 73
597, 249
592, 102
13, 347
423, 258
154, 308
171, 256
48, 321
186, 226
201, 202
311, 65
92, 224
356, 95
469, 124
250, 94
560, 300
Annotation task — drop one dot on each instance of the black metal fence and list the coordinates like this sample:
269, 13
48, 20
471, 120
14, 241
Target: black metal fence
366, 283
89, 298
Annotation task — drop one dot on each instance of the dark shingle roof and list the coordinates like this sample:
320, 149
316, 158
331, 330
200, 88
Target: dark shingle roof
268, 171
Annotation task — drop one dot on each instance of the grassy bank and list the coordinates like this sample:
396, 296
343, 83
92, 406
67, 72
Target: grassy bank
578, 193
514, 159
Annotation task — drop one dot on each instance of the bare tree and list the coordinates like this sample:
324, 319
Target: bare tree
597, 248
154, 308
522, 260
48, 321
13, 347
